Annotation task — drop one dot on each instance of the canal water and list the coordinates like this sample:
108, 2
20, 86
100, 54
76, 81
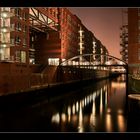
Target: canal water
98, 107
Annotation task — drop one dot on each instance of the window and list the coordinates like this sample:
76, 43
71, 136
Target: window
32, 61
24, 28
23, 56
53, 61
12, 26
17, 12
32, 38
12, 41
17, 40
20, 56
24, 42
5, 9
25, 16
18, 26
17, 56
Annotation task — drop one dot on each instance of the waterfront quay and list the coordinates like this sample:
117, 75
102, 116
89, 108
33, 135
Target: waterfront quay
33, 85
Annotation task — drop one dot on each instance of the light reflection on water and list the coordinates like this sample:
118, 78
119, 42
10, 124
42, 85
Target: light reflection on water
104, 116
97, 108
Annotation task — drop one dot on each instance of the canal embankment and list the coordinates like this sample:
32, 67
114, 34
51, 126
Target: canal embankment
23, 87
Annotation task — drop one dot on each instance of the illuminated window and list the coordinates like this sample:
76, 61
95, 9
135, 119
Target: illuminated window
20, 56
23, 56
5, 9
53, 61
32, 38
32, 60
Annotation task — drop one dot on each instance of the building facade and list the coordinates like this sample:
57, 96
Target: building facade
32, 39
124, 35
124, 43
134, 40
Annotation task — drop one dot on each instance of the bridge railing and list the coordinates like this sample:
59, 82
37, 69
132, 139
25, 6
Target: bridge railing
95, 61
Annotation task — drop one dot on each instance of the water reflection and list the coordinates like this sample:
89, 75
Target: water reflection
99, 107
93, 115
108, 122
101, 103
80, 117
120, 119
105, 109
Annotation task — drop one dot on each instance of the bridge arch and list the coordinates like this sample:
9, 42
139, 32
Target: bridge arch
91, 58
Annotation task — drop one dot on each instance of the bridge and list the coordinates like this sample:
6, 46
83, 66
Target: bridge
97, 61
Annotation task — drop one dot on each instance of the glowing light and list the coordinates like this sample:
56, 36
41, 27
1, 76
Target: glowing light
63, 117
108, 63
4, 30
93, 115
121, 63
69, 110
101, 104
108, 110
56, 118
53, 61
85, 101
93, 109
3, 45
4, 15
69, 113
73, 109
120, 111
80, 125
105, 98
116, 85
108, 123
121, 124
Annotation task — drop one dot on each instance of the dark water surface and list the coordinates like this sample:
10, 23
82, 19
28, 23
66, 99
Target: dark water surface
99, 107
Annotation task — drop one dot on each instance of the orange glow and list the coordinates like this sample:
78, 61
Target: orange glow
108, 123
101, 103
80, 125
121, 125
63, 117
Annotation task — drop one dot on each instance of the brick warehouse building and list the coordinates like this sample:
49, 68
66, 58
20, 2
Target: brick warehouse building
31, 39
134, 40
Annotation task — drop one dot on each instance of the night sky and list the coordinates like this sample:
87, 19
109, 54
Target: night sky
105, 23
